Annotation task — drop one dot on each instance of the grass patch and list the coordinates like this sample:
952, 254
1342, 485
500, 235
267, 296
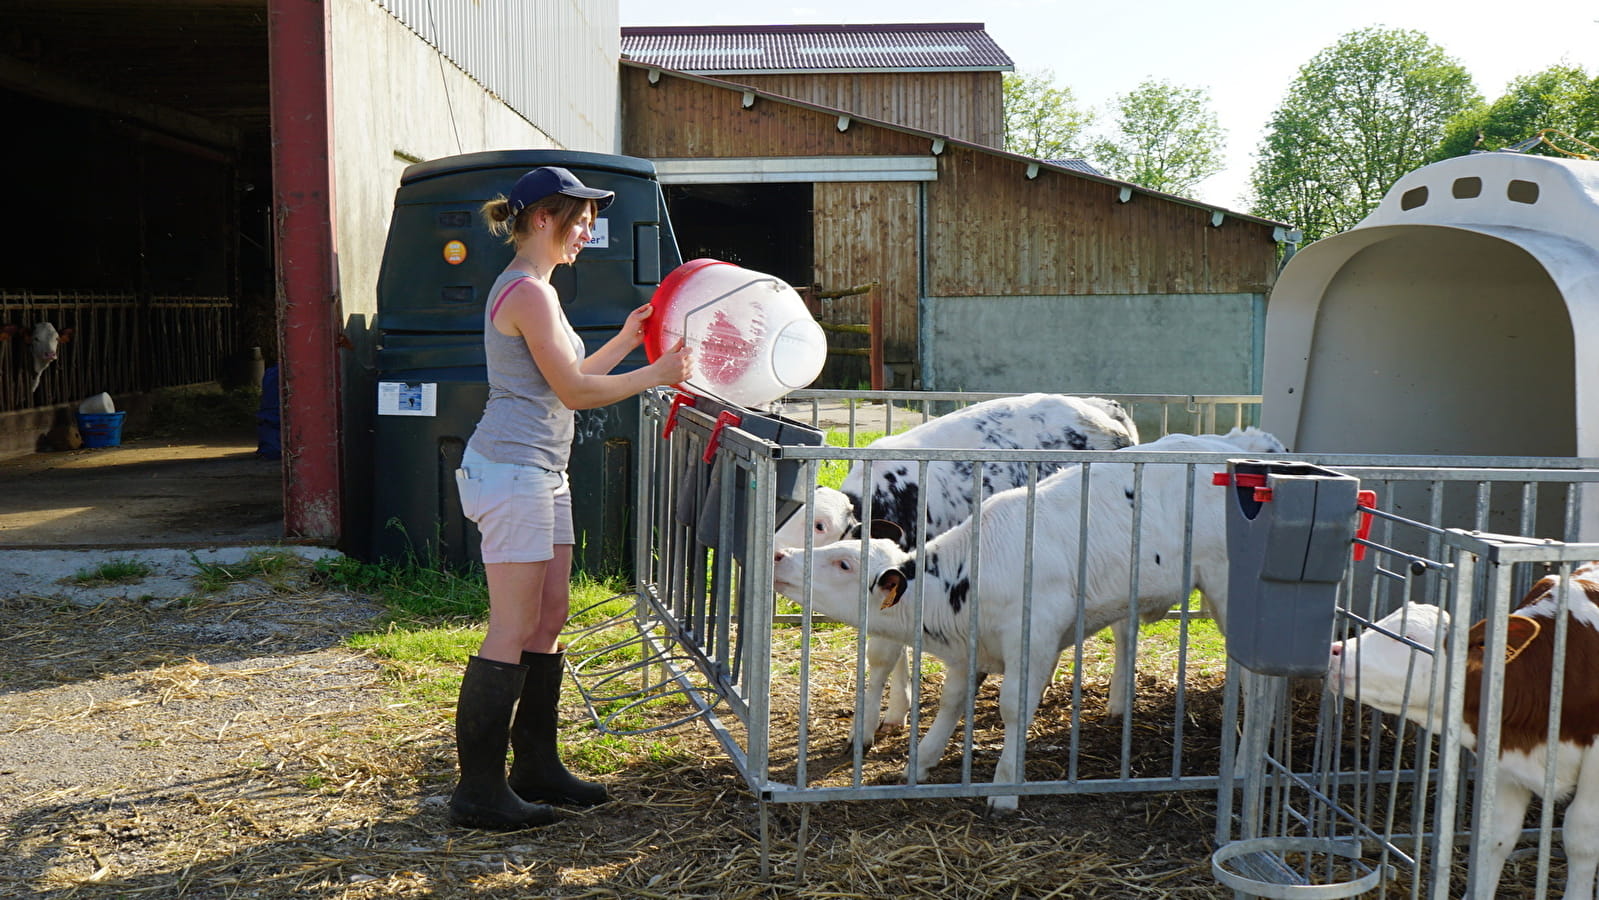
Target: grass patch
831, 472
115, 571
413, 589
273, 567
1160, 646
436, 618
595, 600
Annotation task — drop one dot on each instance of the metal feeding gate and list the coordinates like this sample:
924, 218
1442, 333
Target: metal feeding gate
782, 687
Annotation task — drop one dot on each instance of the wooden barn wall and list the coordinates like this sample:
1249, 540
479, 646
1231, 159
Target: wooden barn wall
865, 232
1002, 252
994, 232
968, 106
678, 118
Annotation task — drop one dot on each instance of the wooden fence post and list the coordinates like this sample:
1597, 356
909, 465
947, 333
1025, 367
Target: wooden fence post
873, 329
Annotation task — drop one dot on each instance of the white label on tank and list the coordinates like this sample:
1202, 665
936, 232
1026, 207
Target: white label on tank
396, 398
602, 234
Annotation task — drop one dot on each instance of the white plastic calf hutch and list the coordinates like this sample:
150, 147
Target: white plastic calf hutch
1450, 321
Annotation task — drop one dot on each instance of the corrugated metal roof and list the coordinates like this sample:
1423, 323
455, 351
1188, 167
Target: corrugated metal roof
748, 49
1076, 164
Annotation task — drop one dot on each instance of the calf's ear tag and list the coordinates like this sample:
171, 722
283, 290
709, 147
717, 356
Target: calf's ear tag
893, 584
1520, 632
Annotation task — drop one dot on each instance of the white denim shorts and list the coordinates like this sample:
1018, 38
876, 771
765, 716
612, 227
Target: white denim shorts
523, 512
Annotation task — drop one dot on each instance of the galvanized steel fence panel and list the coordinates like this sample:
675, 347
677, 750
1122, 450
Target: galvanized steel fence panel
712, 618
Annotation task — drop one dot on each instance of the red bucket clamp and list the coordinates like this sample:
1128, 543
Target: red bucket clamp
680, 400
725, 418
1256, 480
1368, 500
1364, 500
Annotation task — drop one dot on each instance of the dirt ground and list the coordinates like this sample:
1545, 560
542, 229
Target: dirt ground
233, 745
150, 491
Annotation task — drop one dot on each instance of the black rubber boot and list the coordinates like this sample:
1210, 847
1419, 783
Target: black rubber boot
482, 799
536, 770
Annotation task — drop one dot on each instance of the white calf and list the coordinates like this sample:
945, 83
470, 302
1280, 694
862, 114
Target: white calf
1051, 627
43, 350
1027, 422
830, 520
1375, 668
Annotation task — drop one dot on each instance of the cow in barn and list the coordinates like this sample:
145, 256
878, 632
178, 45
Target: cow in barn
1389, 673
42, 351
44, 345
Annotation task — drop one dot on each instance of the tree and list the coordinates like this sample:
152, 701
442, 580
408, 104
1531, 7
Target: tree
1165, 138
1562, 97
1041, 120
1359, 115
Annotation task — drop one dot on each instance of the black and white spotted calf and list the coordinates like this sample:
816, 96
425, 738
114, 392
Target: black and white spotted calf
1027, 422
1049, 626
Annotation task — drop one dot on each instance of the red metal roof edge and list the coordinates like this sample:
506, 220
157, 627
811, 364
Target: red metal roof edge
970, 145
648, 30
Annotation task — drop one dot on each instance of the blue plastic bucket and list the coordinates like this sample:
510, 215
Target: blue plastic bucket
101, 429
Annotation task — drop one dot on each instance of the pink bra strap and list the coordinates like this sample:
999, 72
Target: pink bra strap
501, 299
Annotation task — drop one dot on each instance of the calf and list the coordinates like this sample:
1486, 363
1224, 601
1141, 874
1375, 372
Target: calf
1375, 668
1051, 624
829, 520
1028, 422
43, 350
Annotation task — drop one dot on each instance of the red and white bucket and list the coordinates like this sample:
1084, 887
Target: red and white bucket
751, 336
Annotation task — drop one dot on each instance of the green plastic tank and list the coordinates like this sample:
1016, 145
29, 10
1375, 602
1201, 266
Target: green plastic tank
429, 384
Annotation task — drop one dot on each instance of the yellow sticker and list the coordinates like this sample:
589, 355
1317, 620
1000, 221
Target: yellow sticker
455, 253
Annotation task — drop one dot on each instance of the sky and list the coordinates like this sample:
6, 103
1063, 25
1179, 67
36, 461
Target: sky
1245, 53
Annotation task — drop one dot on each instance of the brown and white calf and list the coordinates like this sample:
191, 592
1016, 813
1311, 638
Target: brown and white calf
1379, 667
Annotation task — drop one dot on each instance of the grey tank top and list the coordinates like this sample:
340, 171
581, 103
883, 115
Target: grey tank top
523, 422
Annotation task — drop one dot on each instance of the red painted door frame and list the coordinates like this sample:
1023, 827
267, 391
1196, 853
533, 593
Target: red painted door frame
309, 316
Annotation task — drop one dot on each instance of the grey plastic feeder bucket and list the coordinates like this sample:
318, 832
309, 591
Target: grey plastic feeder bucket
1289, 532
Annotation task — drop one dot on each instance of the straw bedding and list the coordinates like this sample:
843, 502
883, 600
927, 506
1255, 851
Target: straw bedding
239, 749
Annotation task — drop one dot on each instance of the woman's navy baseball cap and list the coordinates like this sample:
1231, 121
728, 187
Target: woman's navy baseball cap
547, 180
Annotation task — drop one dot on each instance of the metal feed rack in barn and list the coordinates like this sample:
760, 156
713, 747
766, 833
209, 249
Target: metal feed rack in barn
707, 631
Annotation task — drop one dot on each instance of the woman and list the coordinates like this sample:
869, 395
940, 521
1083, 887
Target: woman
513, 484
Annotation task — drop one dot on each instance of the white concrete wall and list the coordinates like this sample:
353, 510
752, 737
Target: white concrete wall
396, 101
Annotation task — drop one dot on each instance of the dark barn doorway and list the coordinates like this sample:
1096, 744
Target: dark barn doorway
142, 183
762, 227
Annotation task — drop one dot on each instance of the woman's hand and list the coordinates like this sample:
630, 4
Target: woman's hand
675, 365
633, 328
